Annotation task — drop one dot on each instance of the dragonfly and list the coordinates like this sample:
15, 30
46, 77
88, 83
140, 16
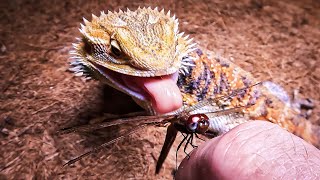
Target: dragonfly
204, 118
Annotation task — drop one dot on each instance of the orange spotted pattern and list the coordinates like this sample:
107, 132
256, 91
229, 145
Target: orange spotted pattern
211, 77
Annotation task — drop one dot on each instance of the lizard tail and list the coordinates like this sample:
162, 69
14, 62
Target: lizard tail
309, 132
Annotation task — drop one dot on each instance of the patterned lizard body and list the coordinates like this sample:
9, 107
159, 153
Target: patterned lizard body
118, 48
214, 76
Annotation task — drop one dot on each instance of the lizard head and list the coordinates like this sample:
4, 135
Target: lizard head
141, 43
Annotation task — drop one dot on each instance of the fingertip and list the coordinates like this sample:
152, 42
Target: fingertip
257, 150
198, 166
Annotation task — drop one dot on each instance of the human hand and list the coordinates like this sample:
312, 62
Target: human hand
254, 150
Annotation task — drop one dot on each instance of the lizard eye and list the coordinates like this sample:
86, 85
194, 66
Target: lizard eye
115, 48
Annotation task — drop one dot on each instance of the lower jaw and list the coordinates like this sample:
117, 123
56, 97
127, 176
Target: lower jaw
161, 91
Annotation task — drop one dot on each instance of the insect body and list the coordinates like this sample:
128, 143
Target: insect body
189, 121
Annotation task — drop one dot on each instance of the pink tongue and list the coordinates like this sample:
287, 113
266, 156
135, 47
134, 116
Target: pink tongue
163, 91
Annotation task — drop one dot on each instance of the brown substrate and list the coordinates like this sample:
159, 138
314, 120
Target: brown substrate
274, 40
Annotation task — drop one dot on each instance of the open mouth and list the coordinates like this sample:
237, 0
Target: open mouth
161, 91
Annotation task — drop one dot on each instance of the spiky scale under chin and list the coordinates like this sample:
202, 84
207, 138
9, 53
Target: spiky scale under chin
143, 43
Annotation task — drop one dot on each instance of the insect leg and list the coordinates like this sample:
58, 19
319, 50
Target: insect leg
199, 137
185, 137
191, 141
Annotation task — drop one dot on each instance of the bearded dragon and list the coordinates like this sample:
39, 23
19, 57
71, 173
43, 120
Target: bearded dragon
143, 54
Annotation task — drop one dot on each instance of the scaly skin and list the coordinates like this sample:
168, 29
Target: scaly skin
212, 77
146, 43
